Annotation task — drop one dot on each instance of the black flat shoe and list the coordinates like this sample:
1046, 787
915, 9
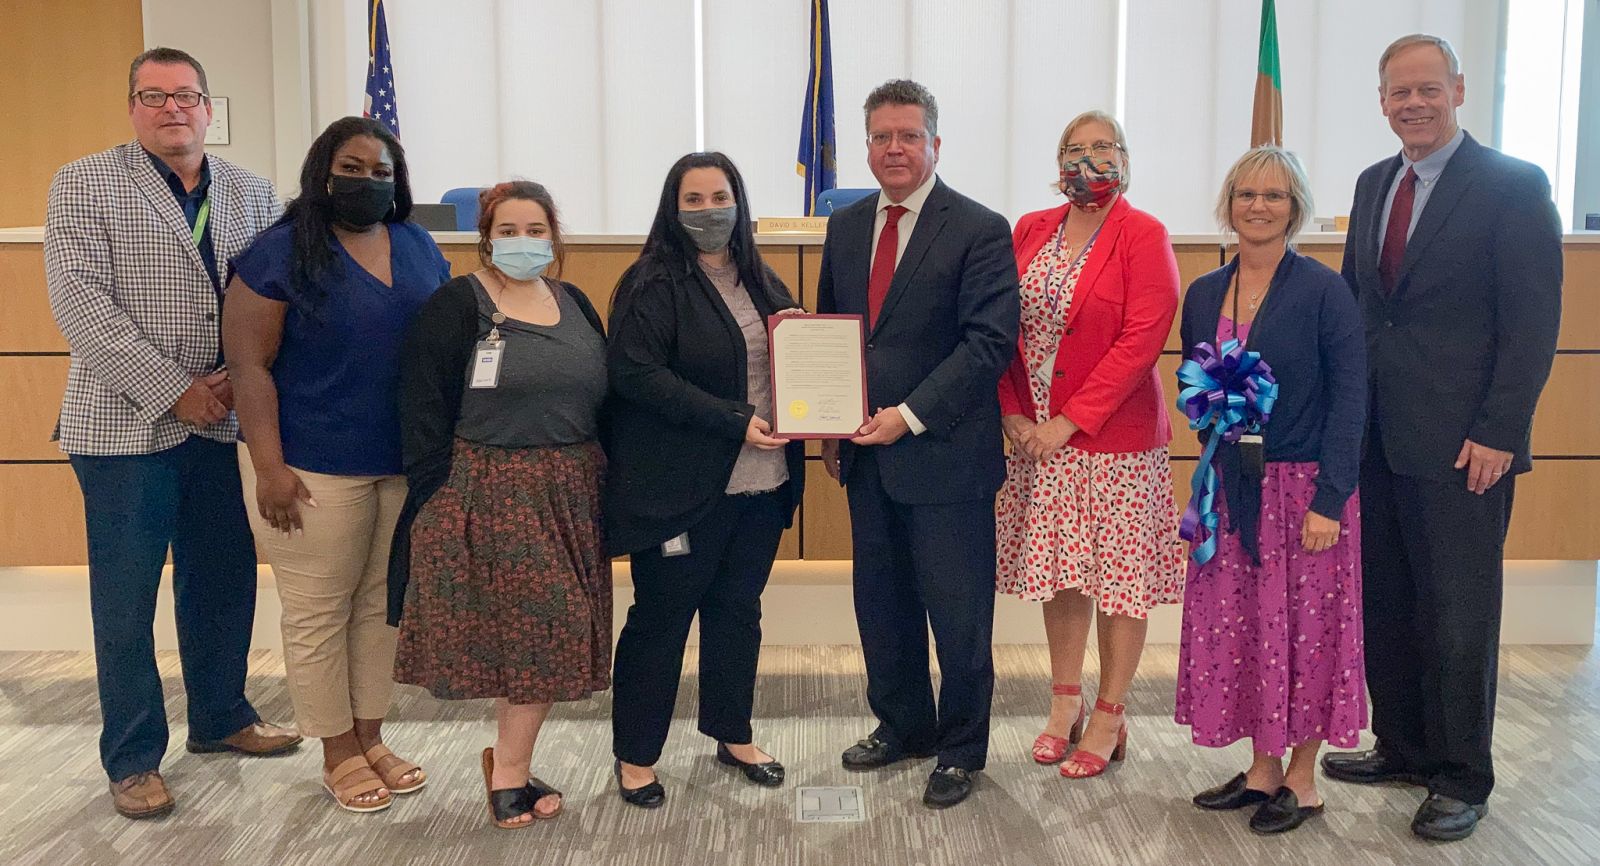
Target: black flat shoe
874, 752
1370, 767
650, 796
768, 774
1232, 794
1446, 819
947, 786
1282, 813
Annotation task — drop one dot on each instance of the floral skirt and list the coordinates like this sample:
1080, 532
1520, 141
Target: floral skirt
510, 592
1100, 524
1273, 652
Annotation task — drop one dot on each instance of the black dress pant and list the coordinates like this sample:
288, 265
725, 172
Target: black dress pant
1431, 556
918, 566
730, 557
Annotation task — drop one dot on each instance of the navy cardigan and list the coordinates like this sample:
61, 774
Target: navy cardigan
1309, 331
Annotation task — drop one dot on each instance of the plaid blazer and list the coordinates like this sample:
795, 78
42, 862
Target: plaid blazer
131, 295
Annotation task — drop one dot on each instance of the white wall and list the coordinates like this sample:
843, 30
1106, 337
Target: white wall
596, 98
223, 36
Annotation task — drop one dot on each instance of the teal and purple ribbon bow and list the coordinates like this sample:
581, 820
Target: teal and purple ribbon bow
1229, 391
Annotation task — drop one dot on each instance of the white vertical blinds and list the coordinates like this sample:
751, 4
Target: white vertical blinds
596, 98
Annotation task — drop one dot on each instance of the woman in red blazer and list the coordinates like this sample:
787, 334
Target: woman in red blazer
1086, 521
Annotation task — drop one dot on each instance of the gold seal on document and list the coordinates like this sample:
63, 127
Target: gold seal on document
799, 409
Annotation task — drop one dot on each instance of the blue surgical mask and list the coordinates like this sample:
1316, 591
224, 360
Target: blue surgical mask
522, 258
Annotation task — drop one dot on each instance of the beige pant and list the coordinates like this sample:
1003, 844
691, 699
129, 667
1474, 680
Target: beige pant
333, 584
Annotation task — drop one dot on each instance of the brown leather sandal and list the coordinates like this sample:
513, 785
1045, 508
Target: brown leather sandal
350, 780
392, 769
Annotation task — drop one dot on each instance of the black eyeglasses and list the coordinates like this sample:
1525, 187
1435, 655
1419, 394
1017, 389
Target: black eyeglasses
158, 98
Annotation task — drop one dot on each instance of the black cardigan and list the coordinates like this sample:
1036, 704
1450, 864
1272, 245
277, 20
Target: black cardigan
1310, 333
678, 363
433, 368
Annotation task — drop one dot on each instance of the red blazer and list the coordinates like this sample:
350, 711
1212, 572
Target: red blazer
1105, 378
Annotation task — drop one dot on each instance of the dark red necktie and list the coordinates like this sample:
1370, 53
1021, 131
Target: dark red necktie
1394, 236
883, 262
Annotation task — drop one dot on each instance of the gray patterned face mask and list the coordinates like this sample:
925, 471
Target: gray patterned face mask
710, 228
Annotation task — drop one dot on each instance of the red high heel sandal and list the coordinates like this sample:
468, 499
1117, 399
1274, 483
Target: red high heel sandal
1048, 748
1094, 764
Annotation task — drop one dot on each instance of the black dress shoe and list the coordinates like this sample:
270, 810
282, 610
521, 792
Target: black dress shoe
874, 752
1368, 768
947, 786
650, 796
1232, 794
767, 773
1446, 819
1282, 813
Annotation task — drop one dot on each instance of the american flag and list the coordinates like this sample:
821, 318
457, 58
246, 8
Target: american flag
381, 103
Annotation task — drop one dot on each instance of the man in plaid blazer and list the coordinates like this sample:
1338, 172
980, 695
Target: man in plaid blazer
133, 240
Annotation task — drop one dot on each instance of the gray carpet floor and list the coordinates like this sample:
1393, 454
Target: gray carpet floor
810, 705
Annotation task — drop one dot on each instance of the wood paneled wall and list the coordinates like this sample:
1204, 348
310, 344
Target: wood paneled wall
63, 73
41, 513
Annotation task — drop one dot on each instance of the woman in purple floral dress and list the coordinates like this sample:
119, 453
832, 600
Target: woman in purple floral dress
1271, 644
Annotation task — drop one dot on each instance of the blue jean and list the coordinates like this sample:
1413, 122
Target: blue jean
186, 497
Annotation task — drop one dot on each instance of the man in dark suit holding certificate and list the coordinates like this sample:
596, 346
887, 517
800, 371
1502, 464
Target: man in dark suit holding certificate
933, 274
1454, 253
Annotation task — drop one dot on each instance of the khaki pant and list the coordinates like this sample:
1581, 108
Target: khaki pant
332, 581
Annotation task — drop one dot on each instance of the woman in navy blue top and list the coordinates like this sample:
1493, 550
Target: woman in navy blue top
1271, 641
312, 326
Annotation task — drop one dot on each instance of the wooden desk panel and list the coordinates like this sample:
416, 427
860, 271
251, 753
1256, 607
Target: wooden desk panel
32, 386
810, 270
1184, 442
827, 516
1567, 422
25, 321
1554, 515
41, 516
41, 520
1580, 297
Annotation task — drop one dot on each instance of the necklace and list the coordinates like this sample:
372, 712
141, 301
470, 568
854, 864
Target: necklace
497, 317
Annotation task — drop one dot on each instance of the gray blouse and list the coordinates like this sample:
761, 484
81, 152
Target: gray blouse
552, 382
756, 470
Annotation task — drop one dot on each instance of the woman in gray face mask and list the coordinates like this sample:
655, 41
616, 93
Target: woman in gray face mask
699, 490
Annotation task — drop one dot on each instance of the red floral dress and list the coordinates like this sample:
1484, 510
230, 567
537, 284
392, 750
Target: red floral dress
1102, 524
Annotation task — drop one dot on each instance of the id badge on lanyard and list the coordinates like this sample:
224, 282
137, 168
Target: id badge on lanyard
486, 358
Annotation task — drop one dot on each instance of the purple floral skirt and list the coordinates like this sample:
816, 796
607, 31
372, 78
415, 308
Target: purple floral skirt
1273, 652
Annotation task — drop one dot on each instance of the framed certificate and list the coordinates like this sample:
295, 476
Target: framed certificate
819, 375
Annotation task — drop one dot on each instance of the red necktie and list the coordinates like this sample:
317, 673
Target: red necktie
1394, 236
883, 263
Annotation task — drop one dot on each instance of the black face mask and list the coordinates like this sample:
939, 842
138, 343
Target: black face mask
360, 201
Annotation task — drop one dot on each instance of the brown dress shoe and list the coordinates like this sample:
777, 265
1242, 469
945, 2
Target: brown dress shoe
143, 795
260, 739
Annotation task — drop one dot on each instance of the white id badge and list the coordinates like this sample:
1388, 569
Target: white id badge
678, 546
1046, 369
486, 364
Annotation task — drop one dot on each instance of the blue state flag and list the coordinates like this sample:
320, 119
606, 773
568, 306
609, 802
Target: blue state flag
817, 142
381, 104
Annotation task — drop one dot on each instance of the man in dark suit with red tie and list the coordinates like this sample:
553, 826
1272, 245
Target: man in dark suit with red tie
1454, 253
933, 274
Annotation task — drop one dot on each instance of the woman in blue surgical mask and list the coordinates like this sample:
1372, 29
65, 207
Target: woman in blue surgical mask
498, 577
700, 488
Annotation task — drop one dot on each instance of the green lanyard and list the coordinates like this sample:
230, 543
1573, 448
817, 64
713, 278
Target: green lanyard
200, 221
